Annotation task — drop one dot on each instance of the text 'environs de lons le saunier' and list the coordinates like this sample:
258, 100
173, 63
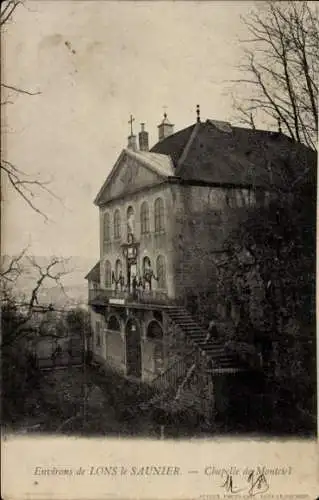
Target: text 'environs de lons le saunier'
153, 470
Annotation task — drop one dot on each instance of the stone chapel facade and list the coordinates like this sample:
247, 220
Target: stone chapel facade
165, 213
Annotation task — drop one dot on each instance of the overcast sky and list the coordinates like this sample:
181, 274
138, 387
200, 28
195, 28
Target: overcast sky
95, 63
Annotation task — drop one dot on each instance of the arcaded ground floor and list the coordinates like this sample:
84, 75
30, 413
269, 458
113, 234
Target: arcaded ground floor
133, 342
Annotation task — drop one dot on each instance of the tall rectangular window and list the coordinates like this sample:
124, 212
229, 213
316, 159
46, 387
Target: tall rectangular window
145, 218
159, 215
106, 227
117, 225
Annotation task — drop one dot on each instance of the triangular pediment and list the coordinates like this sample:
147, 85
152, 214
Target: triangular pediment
133, 171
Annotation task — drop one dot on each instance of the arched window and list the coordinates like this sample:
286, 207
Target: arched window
145, 218
146, 264
161, 272
113, 324
130, 219
118, 268
106, 227
159, 215
108, 274
117, 225
154, 331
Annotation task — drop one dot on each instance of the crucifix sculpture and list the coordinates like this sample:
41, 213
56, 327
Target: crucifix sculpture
131, 120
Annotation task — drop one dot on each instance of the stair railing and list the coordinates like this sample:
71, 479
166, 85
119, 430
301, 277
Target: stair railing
170, 377
189, 373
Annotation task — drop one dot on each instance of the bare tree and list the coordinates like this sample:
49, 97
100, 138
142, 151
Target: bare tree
11, 268
52, 272
280, 69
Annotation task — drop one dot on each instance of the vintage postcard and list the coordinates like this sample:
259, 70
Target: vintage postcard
158, 249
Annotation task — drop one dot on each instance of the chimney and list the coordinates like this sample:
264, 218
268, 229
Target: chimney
132, 143
143, 138
165, 128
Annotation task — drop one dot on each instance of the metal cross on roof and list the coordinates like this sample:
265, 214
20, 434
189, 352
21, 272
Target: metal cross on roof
131, 120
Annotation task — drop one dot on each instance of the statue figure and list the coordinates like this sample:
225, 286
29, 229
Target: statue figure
134, 287
130, 223
148, 276
121, 281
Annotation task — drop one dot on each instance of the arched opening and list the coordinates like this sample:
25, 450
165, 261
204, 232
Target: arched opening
147, 274
146, 264
154, 331
158, 315
133, 348
113, 323
161, 272
108, 274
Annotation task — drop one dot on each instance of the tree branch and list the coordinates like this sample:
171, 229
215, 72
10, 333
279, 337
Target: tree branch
48, 272
282, 67
24, 186
19, 90
7, 9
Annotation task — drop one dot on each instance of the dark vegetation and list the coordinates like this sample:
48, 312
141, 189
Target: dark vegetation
266, 292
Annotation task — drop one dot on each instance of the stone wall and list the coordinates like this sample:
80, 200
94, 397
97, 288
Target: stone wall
202, 223
204, 218
98, 341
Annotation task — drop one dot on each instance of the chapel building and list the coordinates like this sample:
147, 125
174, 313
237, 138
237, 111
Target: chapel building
165, 214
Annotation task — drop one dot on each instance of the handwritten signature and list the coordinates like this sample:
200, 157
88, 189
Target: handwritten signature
256, 483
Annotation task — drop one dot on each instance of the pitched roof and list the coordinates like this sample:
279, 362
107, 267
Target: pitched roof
219, 153
160, 164
94, 274
174, 144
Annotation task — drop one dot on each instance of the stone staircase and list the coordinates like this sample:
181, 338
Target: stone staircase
198, 337
172, 391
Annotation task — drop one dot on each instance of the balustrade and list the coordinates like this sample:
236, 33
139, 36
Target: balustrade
142, 296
